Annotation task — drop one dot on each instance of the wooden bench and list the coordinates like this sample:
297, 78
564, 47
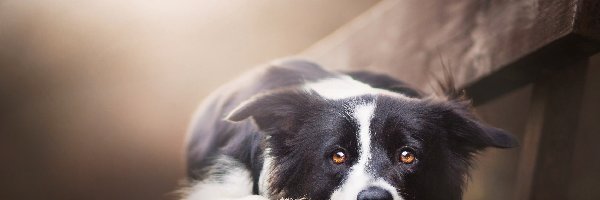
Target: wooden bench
492, 48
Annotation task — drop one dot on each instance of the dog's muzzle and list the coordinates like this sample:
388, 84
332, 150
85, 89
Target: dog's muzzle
374, 193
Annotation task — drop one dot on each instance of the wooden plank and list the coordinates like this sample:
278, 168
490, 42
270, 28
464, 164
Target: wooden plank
560, 53
585, 169
582, 42
529, 145
410, 38
547, 149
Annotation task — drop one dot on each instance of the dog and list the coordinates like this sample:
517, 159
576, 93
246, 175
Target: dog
294, 130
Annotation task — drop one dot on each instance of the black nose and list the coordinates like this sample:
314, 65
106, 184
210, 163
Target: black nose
374, 193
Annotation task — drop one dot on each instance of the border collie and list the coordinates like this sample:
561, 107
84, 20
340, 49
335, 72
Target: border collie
293, 130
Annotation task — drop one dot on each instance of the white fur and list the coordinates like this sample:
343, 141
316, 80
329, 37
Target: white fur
236, 184
344, 86
359, 177
339, 88
263, 181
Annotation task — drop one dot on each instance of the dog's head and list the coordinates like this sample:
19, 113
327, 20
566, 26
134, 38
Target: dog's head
341, 139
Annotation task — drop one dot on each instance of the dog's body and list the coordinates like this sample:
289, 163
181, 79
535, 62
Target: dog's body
317, 134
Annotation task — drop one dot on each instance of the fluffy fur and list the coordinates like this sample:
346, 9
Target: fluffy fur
271, 134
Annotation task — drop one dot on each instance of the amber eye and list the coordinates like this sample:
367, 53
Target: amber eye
339, 156
407, 156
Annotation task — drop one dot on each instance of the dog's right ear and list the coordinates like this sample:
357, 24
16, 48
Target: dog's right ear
280, 110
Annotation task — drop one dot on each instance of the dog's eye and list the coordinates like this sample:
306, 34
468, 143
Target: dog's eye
339, 156
407, 156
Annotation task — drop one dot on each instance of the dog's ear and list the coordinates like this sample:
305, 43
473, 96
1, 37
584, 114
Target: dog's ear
466, 129
281, 109
464, 126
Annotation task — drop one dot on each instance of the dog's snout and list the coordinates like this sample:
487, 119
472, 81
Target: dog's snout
374, 193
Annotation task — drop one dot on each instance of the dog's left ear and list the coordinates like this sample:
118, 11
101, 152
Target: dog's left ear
281, 109
465, 127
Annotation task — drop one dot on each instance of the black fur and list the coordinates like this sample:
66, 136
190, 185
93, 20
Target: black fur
302, 129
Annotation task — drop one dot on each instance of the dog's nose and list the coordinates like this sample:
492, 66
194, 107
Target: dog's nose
374, 193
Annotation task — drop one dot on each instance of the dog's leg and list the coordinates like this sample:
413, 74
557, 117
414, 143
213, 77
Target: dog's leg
227, 179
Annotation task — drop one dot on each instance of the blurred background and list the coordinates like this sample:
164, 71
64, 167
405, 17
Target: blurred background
96, 96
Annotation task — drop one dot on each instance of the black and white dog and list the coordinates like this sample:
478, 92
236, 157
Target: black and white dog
293, 130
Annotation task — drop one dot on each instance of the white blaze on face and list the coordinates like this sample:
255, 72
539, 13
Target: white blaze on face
359, 177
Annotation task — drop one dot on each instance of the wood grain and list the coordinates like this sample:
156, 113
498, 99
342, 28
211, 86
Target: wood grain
547, 150
410, 39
